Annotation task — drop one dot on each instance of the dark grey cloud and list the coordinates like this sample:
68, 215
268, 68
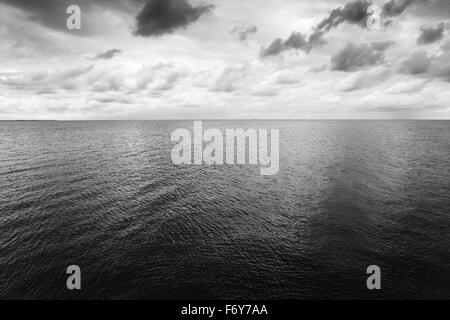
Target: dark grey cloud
244, 33
275, 48
430, 35
355, 56
153, 17
107, 55
417, 63
296, 41
394, 8
434, 67
159, 17
355, 12
430, 8
52, 13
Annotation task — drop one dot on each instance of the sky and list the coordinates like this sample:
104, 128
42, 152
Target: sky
225, 59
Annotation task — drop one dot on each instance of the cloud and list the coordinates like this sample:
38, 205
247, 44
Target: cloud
430, 35
244, 33
266, 91
157, 78
167, 82
394, 8
111, 98
52, 13
159, 17
275, 48
296, 41
230, 79
44, 82
445, 46
355, 12
409, 86
288, 77
147, 80
431, 8
107, 55
364, 79
417, 63
354, 56
440, 66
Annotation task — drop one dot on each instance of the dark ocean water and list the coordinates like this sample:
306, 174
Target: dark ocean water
106, 196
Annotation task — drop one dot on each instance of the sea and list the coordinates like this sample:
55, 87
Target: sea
105, 196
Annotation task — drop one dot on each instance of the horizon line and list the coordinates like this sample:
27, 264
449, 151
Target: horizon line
217, 119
